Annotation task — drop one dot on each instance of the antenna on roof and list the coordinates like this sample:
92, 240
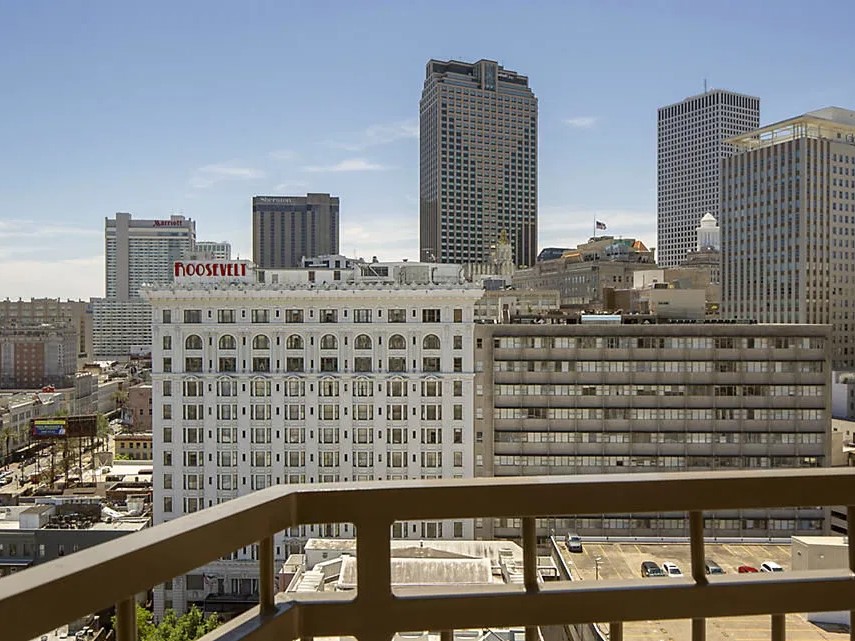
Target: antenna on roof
705, 85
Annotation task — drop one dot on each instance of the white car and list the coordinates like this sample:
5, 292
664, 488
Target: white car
672, 570
770, 566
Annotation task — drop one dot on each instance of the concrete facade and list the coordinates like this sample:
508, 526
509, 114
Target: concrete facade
286, 229
788, 226
478, 177
691, 142
52, 311
583, 399
35, 355
292, 381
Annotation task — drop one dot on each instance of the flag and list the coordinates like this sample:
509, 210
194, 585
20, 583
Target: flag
600, 225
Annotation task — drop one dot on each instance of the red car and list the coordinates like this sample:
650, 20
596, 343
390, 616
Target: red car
745, 569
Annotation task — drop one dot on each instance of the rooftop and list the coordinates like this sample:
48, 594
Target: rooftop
831, 123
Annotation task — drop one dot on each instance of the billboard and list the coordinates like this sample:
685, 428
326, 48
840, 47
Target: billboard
48, 428
63, 426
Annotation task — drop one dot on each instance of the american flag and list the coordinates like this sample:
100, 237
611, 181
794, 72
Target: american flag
600, 225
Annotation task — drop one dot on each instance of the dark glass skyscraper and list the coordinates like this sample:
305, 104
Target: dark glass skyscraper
478, 162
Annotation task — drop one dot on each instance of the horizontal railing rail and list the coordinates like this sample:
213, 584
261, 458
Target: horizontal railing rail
49, 595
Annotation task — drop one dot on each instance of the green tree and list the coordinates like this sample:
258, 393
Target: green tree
187, 627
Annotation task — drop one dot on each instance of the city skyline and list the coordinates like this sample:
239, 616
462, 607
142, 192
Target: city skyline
128, 119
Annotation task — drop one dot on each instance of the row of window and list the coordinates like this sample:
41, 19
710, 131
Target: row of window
327, 341
659, 366
326, 315
331, 458
662, 438
652, 342
263, 364
640, 462
658, 390
658, 413
327, 387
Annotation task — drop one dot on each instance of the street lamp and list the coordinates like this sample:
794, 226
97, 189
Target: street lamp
597, 562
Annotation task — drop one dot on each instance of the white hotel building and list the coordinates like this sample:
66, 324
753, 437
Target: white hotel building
307, 376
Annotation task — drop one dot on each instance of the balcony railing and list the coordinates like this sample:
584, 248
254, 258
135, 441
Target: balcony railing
49, 595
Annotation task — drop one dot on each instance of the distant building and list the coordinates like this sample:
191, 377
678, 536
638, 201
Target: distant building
604, 397
34, 355
582, 275
133, 447
788, 226
138, 252
138, 407
210, 249
286, 229
52, 311
691, 144
478, 141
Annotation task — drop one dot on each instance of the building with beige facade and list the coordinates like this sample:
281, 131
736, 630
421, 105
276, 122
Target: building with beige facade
52, 311
608, 398
478, 177
788, 226
33, 355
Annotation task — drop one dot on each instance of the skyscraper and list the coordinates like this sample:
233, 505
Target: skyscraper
691, 145
286, 229
788, 226
478, 162
137, 252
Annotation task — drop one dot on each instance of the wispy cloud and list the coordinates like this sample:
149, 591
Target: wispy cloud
79, 278
581, 122
290, 188
284, 154
380, 134
210, 175
351, 164
11, 228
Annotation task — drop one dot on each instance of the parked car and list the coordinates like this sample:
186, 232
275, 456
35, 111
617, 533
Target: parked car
649, 568
770, 566
746, 569
712, 567
573, 542
672, 570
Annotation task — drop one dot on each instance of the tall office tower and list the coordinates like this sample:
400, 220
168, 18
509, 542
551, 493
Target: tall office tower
143, 251
690, 147
309, 376
478, 163
788, 226
137, 252
211, 249
286, 229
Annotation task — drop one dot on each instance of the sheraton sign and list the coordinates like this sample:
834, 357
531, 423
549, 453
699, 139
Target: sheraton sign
212, 271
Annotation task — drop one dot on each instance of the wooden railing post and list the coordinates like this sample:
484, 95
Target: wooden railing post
126, 620
530, 566
850, 531
374, 577
266, 589
699, 571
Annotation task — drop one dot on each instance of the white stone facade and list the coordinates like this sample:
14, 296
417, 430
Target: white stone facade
259, 384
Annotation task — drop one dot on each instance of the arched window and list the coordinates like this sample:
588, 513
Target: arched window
193, 342
295, 341
227, 342
261, 342
328, 341
363, 341
430, 341
396, 341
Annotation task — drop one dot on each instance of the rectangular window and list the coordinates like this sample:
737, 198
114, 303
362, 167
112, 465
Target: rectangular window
458, 315
167, 365
167, 411
458, 388
192, 315
329, 364
167, 388
431, 364
261, 364
293, 315
361, 315
363, 411
329, 316
166, 317
362, 364
458, 342
431, 316
294, 364
396, 315
227, 364
225, 316
193, 364
328, 412
261, 316
167, 342
458, 364
397, 364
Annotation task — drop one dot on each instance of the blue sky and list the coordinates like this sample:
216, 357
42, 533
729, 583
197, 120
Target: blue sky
194, 107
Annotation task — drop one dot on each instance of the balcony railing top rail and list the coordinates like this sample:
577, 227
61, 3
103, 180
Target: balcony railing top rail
49, 595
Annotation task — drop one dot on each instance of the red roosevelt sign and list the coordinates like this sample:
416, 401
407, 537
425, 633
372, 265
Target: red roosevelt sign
209, 269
